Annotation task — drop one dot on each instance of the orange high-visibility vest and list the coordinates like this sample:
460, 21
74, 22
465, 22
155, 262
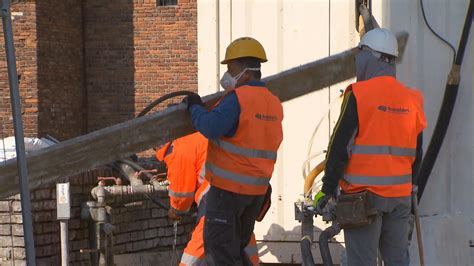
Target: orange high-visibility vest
185, 165
390, 118
244, 163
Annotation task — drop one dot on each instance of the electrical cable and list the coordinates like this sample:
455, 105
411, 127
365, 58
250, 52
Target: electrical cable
435, 33
163, 98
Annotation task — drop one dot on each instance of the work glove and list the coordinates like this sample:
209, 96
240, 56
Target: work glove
192, 100
172, 215
320, 201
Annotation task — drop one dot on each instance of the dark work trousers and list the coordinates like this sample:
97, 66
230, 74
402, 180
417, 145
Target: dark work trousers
230, 220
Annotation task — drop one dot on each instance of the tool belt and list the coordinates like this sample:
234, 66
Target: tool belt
355, 210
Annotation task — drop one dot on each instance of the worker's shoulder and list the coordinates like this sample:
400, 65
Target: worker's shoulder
229, 97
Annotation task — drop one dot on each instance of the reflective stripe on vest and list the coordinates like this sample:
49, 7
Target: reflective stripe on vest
180, 194
383, 150
242, 179
377, 180
251, 250
190, 260
253, 153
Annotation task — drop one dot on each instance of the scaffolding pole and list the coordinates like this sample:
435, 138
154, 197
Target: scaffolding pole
18, 130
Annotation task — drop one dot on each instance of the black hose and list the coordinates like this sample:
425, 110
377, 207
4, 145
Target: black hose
324, 238
307, 256
446, 110
434, 32
465, 34
162, 99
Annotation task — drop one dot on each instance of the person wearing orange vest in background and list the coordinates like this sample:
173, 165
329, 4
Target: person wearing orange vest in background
244, 131
185, 158
377, 147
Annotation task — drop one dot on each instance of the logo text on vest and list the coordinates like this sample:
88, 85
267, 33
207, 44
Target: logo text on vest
266, 117
395, 110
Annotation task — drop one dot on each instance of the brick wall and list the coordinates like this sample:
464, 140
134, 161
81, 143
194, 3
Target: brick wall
45, 225
60, 69
24, 32
135, 53
86, 65
48, 43
145, 227
165, 55
81, 71
138, 227
108, 40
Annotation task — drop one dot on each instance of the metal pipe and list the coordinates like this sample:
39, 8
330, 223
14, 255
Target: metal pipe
18, 130
126, 190
100, 244
109, 249
94, 256
64, 242
218, 46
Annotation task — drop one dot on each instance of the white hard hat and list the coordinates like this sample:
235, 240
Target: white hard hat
380, 40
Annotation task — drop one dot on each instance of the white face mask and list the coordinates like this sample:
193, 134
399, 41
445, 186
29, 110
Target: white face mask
228, 82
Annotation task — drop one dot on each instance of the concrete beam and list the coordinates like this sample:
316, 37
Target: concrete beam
118, 141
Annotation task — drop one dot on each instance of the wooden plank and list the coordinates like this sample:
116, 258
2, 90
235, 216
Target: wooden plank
112, 143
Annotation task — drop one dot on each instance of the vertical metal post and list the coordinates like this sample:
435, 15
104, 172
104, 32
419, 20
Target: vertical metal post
64, 243
218, 46
63, 203
18, 129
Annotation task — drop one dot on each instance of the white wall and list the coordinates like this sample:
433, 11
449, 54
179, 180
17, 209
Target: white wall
294, 32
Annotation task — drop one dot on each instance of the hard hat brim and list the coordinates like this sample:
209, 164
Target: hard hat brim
226, 61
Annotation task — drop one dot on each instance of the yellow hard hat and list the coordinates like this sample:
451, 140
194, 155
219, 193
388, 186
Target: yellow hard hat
244, 47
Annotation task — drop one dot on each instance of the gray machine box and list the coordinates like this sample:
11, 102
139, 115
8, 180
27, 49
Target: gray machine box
63, 200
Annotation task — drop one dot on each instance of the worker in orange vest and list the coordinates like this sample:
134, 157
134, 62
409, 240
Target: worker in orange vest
185, 158
377, 147
244, 130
